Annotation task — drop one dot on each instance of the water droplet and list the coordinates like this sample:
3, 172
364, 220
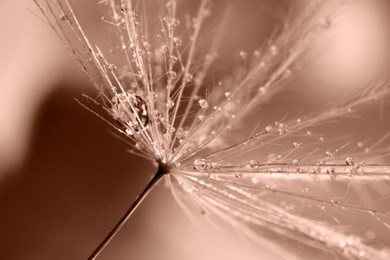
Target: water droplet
296, 145
331, 171
229, 128
274, 50
200, 164
111, 67
216, 165
238, 175
201, 118
228, 94
350, 161
171, 75
188, 77
253, 164
180, 133
177, 41
316, 169
255, 180
333, 202
203, 104
243, 55
139, 146
170, 104
295, 162
329, 154
63, 17
268, 129
124, 8
308, 133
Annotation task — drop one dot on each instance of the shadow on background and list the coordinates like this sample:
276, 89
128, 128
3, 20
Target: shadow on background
75, 184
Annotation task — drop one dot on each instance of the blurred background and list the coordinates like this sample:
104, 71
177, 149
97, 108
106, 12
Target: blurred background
65, 179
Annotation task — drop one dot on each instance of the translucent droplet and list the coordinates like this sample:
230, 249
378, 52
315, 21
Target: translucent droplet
268, 129
124, 8
201, 118
296, 145
180, 133
333, 202
111, 67
203, 104
189, 77
243, 55
229, 128
63, 17
331, 171
216, 165
200, 164
253, 164
350, 161
308, 133
316, 169
329, 154
228, 94
255, 180
172, 75
177, 41
273, 49
139, 146
170, 104
295, 162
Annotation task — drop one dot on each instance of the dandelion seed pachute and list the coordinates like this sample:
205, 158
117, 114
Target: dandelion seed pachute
161, 97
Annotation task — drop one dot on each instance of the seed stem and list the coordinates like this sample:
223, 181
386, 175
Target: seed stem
160, 173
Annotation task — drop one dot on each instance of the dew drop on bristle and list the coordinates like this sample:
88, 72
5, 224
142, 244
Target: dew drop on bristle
296, 145
255, 180
170, 104
203, 104
201, 118
253, 164
329, 154
316, 169
200, 164
350, 161
216, 165
139, 146
268, 129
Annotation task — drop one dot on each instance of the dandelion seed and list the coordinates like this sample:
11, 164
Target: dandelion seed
151, 86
